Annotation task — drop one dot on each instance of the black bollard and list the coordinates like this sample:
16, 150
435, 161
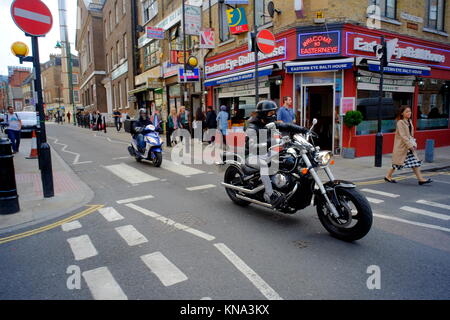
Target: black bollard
9, 200
104, 124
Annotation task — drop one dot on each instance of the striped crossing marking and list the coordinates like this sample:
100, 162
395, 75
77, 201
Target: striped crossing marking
419, 224
205, 187
180, 169
434, 204
130, 174
131, 235
166, 271
102, 285
69, 226
110, 214
135, 199
82, 247
381, 193
426, 213
375, 201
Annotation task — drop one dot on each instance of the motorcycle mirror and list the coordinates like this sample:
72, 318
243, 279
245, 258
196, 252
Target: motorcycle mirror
314, 121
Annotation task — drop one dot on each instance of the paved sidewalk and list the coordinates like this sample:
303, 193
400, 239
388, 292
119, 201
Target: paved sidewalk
350, 169
70, 192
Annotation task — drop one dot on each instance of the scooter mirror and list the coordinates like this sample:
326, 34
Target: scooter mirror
314, 121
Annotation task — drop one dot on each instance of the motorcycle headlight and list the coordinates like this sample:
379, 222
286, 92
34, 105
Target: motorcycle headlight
324, 158
152, 140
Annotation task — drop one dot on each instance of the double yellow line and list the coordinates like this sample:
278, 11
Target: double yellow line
89, 210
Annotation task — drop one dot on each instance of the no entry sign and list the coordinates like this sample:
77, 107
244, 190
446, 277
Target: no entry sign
266, 41
32, 17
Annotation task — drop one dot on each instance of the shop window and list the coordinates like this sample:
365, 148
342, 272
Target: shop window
388, 8
152, 55
76, 96
433, 105
224, 30
435, 14
262, 14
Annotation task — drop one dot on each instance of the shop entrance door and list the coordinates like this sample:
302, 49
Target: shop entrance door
319, 102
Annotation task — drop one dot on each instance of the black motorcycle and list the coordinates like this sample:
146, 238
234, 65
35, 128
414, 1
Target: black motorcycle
342, 209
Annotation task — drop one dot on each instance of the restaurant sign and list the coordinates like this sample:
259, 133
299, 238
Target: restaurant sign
319, 44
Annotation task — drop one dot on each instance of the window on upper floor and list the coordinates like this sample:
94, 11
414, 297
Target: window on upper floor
116, 8
152, 56
262, 14
76, 96
125, 46
388, 8
111, 22
106, 27
119, 54
149, 9
74, 79
224, 29
124, 6
435, 14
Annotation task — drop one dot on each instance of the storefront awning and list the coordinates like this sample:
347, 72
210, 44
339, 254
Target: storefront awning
320, 66
244, 75
400, 68
140, 89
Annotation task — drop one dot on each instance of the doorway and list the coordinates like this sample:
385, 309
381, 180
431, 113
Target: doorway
319, 104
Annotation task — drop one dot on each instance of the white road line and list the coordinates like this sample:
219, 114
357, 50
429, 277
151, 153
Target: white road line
440, 181
102, 285
373, 200
251, 275
135, 199
82, 247
77, 155
131, 235
110, 214
434, 204
71, 226
180, 169
420, 224
172, 223
130, 174
381, 193
426, 213
122, 158
166, 271
208, 186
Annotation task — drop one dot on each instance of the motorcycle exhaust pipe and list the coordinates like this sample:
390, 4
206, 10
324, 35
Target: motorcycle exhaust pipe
262, 204
243, 190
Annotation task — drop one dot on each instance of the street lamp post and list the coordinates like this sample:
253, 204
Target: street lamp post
69, 75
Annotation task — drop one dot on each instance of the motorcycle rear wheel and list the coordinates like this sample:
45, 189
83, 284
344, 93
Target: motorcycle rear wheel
234, 176
354, 203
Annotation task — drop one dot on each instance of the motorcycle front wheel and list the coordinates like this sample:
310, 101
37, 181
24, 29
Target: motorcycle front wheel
357, 219
157, 161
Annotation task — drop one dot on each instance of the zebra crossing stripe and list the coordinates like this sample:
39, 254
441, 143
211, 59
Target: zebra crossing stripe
82, 247
375, 201
381, 193
110, 214
180, 169
434, 204
426, 213
131, 235
166, 271
69, 226
135, 199
130, 174
205, 187
419, 224
102, 285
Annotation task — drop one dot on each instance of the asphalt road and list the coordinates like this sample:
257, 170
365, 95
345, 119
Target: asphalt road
186, 240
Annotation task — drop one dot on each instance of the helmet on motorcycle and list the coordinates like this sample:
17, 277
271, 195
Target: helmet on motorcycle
266, 111
142, 113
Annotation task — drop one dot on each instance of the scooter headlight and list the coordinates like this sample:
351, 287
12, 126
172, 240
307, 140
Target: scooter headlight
324, 158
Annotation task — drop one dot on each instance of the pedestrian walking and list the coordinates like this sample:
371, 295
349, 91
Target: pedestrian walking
14, 126
286, 112
117, 115
99, 122
222, 120
172, 125
68, 117
211, 123
405, 146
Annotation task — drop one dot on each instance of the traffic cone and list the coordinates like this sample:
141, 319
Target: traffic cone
34, 151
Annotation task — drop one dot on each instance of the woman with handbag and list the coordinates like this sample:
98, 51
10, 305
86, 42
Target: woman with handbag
404, 154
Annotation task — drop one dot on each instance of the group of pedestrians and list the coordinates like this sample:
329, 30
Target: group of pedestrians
92, 120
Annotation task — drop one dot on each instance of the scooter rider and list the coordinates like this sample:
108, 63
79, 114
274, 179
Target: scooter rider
258, 138
139, 127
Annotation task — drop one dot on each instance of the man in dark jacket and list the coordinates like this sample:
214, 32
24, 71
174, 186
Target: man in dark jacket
142, 122
211, 121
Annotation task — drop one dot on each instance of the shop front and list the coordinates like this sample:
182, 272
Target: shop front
336, 70
230, 78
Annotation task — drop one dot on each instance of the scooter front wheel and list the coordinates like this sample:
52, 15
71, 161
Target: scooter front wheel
157, 161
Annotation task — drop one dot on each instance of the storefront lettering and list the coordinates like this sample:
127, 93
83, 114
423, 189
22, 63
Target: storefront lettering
248, 58
409, 52
323, 43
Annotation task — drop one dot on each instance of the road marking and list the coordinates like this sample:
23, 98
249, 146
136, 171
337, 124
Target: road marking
131, 235
420, 224
77, 155
110, 214
208, 186
166, 271
69, 226
130, 174
91, 209
434, 204
102, 285
440, 181
121, 158
206, 298
82, 247
373, 200
426, 213
135, 199
172, 223
399, 178
251, 275
180, 169
381, 193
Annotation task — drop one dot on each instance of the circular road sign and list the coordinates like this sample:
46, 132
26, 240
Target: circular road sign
266, 41
32, 17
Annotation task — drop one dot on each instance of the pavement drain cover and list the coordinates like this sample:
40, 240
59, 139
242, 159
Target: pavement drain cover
301, 244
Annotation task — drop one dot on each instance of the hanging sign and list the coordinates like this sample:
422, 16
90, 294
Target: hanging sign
193, 22
207, 39
155, 33
237, 20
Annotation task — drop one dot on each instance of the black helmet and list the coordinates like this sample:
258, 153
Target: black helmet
263, 108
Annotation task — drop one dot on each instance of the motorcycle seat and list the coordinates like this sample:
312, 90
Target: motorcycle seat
249, 170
